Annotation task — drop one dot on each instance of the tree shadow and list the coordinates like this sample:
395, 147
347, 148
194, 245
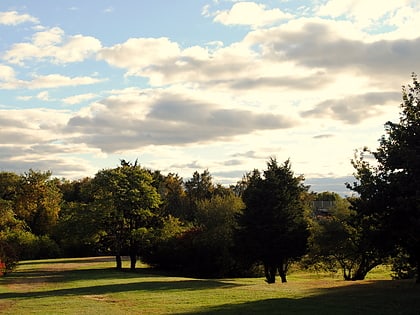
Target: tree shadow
373, 297
143, 282
84, 260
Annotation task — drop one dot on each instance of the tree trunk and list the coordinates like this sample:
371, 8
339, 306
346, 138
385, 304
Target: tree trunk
282, 272
418, 271
346, 274
270, 273
118, 260
360, 274
133, 261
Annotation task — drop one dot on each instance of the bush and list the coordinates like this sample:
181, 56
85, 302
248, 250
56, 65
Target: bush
29, 246
402, 266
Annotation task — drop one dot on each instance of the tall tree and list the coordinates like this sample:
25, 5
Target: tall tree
126, 200
273, 229
392, 186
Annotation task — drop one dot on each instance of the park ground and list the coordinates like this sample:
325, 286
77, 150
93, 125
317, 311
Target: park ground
93, 286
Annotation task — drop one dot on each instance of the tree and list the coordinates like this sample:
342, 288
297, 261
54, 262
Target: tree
125, 199
172, 193
9, 226
346, 236
273, 229
8, 185
392, 186
38, 201
78, 230
214, 236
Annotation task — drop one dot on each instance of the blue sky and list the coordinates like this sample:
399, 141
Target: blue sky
192, 85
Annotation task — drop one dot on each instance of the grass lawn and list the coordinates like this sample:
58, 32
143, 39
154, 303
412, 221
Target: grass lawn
92, 286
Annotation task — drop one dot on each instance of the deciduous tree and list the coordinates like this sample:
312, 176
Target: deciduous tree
126, 200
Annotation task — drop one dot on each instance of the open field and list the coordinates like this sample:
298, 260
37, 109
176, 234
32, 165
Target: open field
91, 286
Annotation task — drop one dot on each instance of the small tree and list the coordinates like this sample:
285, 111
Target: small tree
273, 230
346, 239
10, 226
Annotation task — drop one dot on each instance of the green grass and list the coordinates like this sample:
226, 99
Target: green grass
92, 286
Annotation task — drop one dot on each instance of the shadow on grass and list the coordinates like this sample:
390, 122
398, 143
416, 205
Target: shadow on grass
143, 282
97, 259
376, 297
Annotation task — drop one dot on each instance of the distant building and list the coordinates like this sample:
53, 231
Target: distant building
322, 208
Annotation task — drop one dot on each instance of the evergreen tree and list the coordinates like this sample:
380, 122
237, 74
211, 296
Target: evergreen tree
273, 230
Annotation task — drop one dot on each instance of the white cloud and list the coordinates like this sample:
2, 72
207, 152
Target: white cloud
48, 81
52, 45
249, 13
136, 54
355, 108
43, 96
6, 73
24, 98
47, 38
34, 138
76, 99
365, 13
163, 118
305, 87
14, 18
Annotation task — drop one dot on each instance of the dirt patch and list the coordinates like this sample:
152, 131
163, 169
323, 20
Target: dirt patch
101, 298
42, 272
6, 305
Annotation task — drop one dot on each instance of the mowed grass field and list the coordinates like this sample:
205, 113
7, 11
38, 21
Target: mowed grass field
92, 286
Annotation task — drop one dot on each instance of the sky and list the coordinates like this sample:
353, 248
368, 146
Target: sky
218, 85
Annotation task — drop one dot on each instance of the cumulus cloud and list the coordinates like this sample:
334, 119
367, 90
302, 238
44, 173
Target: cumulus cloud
53, 45
31, 125
139, 53
286, 86
317, 44
306, 54
170, 120
364, 13
33, 138
249, 13
355, 108
14, 18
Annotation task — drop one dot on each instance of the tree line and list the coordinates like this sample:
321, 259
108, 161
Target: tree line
262, 224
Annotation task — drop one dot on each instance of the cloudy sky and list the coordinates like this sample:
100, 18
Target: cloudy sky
185, 86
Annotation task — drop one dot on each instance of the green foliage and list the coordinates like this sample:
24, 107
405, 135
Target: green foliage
273, 230
125, 200
202, 248
344, 239
38, 201
8, 226
402, 266
389, 191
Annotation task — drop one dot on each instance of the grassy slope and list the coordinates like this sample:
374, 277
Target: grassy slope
91, 286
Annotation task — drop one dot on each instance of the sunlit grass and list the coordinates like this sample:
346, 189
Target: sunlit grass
92, 286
